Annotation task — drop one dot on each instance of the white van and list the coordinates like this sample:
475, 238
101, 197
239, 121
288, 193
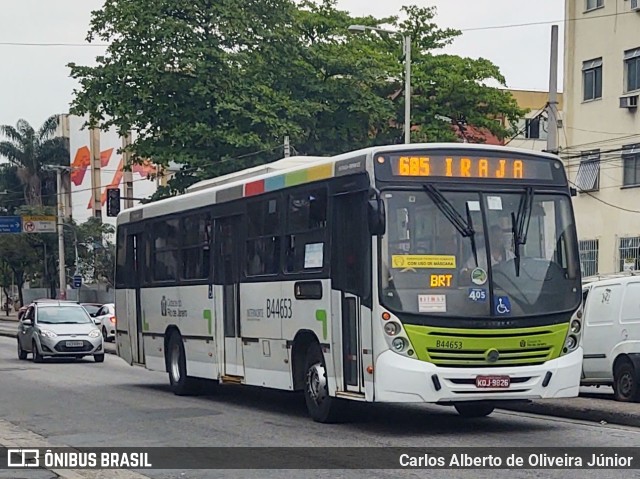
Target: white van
611, 335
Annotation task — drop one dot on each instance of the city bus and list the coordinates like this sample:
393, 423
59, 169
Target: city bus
419, 273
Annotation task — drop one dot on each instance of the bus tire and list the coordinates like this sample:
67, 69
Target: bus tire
625, 382
321, 407
474, 409
181, 384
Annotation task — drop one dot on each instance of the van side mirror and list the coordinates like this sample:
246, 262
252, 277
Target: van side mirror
376, 216
27, 322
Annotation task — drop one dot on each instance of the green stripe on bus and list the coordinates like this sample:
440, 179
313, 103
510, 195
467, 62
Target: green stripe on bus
206, 314
321, 315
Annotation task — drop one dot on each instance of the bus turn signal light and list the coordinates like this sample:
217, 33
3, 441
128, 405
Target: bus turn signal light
370, 369
386, 316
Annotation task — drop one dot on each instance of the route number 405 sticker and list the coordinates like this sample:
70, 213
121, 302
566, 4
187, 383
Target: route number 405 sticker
477, 294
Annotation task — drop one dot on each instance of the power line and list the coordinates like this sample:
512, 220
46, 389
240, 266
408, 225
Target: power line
470, 29
603, 201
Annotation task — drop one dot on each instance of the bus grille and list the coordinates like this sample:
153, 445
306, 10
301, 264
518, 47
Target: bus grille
468, 348
478, 357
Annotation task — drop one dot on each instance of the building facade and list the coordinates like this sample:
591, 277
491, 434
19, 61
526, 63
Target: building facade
602, 130
533, 128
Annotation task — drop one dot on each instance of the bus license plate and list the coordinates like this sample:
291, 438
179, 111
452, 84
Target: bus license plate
493, 381
74, 344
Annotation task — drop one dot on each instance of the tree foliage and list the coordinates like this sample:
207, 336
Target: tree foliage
216, 86
30, 151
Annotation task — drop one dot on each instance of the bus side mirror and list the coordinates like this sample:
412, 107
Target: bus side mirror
376, 217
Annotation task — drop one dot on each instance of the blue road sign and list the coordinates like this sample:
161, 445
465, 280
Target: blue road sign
10, 224
77, 281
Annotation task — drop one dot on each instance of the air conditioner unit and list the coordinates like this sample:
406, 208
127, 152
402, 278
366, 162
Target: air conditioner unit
635, 5
629, 101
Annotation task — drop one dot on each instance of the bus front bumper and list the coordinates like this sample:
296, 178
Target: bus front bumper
401, 379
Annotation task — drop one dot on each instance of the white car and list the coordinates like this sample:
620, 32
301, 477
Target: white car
107, 317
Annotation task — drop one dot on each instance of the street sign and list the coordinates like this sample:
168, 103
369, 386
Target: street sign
39, 224
10, 224
77, 281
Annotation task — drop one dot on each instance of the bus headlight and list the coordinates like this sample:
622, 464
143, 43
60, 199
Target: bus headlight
575, 326
398, 344
571, 342
391, 328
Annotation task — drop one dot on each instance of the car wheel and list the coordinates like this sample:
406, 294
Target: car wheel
98, 358
22, 354
104, 334
474, 409
181, 384
37, 357
625, 382
321, 407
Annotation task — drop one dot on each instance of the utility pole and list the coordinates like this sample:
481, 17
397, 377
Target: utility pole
287, 147
407, 89
552, 107
61, 259
127, 173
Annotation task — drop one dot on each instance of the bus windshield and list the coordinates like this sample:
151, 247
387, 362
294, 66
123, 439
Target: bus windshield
479, 254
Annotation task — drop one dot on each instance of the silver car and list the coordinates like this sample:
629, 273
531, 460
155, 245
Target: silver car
58, 328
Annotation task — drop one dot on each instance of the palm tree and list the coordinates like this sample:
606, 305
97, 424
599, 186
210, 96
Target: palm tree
29, 151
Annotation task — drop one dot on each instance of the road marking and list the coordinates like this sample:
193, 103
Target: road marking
581, 422
14, 436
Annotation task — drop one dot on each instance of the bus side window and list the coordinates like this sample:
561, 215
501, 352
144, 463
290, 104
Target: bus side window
263, 242
306, 231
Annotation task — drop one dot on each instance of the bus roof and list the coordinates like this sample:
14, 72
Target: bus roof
234, 185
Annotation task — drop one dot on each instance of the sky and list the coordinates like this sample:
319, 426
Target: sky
35, 83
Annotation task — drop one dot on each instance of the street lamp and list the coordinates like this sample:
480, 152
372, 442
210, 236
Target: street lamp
407, 74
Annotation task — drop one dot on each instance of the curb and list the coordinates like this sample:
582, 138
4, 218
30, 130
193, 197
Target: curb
564, 409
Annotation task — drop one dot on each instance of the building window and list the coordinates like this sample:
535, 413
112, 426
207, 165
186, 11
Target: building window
632, 70
589, 257
588, 177
593, 4
592, 79
536, 128
631, 165
628, 251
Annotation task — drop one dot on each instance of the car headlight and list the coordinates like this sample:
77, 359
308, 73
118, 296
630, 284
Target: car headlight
94, 333
48, 334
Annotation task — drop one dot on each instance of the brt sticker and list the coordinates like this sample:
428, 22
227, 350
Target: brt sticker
478, 276
477, 295
502, 305
440, 280
423, 261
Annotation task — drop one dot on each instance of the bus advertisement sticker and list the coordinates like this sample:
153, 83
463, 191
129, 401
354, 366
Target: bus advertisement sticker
432, 303
494, 202
478, 276
502, 305
477, 295
432, 261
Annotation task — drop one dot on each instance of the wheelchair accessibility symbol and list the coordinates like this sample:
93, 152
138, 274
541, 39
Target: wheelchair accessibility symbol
502, 305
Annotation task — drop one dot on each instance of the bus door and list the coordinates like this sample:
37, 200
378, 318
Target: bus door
228, 273
351, 277
135, 247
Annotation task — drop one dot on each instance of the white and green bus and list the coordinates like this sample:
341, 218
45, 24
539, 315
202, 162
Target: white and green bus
428, 273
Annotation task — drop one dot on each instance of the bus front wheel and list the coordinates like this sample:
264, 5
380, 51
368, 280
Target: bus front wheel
181, 384
474, 409
322, 407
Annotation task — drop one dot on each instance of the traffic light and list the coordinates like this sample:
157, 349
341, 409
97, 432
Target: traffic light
113, 201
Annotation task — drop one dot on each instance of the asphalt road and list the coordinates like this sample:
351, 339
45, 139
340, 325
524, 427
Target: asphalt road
86, 404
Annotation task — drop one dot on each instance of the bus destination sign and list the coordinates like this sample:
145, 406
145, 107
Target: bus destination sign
428, 165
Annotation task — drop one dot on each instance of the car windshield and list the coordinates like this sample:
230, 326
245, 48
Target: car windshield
63, 315
91, 308
472, 254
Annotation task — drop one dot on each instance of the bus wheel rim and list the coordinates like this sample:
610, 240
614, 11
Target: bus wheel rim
317, 383
175, 363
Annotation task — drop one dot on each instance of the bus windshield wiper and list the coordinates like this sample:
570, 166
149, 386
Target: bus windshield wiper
464, 227
520, 225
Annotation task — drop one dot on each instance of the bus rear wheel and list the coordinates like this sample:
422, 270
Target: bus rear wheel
474, 409
181, 384
322, 407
